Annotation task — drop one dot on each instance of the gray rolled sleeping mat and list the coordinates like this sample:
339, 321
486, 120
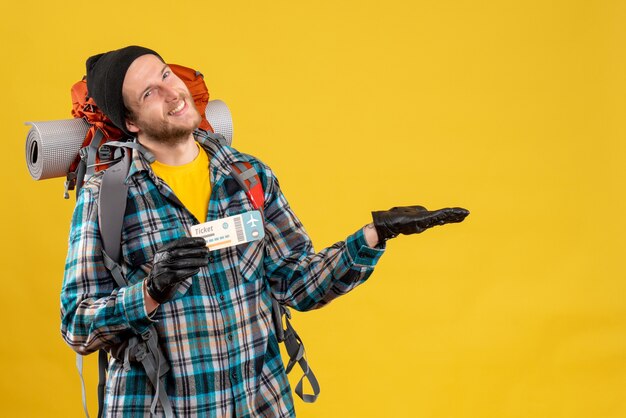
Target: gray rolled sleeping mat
52, 146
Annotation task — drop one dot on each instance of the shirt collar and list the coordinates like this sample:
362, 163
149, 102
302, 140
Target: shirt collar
221, 157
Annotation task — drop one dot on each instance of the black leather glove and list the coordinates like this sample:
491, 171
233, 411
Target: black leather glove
413, 220
173, 263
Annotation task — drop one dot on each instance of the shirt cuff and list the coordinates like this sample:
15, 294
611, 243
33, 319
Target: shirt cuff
362, 254
134, 307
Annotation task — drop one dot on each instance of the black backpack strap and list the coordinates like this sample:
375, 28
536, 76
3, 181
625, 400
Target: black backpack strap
103, 363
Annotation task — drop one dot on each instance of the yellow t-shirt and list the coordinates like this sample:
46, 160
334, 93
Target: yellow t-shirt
190, 182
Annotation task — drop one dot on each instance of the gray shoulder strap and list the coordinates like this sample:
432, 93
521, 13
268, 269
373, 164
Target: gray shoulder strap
111, 210
112, 206
295, 350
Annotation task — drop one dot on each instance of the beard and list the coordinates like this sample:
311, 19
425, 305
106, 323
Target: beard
169, 134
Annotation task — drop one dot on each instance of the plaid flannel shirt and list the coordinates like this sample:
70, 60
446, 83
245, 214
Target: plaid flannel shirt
217, 332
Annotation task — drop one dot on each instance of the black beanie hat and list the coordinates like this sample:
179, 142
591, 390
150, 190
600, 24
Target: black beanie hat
105, 77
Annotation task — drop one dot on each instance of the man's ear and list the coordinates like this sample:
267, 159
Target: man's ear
131, 126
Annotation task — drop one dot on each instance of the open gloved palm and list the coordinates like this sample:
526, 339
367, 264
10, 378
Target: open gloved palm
413, 220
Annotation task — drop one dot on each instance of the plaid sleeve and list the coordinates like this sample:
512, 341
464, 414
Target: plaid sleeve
94, 311
300, 277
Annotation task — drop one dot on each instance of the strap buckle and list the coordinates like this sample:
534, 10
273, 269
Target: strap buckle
70, 184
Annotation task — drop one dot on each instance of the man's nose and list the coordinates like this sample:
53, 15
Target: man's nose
169, 93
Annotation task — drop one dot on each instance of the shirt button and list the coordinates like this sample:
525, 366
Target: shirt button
211, 259
234, 375
230, 337
222, 297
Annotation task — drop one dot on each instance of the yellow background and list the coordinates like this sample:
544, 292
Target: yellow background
513, 109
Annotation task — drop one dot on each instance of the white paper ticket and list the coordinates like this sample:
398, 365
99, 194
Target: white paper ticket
234, 230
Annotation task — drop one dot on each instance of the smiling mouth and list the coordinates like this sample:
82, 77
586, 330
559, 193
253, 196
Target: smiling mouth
177, 109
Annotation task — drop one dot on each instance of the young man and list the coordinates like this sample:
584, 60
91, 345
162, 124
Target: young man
212, 311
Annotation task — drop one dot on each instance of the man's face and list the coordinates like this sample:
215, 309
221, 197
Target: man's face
160, 104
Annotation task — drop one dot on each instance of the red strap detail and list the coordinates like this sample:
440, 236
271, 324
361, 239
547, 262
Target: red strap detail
255, 194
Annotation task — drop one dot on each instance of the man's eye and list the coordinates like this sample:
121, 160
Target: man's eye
148, 93
166, 74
